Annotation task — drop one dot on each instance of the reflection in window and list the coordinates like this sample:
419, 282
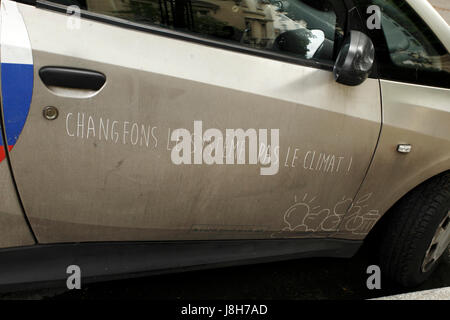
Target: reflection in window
303, 28
411, 45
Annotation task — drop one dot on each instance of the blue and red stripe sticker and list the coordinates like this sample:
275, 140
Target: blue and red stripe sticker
16, 73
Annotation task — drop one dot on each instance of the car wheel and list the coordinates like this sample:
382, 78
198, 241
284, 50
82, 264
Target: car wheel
417, 232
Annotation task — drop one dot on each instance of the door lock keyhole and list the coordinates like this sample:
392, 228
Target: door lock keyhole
50, 113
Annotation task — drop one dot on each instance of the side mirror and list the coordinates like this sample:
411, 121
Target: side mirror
355, 60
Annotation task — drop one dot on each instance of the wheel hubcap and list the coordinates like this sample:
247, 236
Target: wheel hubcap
438, 244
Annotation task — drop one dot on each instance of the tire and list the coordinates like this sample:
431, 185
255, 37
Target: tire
410, 228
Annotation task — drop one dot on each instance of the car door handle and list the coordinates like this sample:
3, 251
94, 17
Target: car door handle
72, 78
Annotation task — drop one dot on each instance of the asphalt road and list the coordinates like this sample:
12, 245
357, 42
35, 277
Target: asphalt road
307, 279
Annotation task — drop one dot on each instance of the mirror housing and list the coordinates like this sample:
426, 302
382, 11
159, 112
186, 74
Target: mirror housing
355, 60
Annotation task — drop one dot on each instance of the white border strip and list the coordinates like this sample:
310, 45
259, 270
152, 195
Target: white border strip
14, 40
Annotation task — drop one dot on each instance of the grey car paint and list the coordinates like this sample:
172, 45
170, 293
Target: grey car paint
14, 230
91, 189
412, 114
96, 190
415, 115
13, 226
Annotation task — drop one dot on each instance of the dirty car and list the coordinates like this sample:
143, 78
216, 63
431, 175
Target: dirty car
154, 136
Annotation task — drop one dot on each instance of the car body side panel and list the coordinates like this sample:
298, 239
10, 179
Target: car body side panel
99, 188
14, 230
105, 261
416, 115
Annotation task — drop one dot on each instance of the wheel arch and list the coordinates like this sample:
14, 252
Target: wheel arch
374, 232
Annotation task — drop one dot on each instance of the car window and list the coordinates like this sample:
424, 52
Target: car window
301, 28
411, 44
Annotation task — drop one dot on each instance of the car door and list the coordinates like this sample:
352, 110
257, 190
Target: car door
190, 120
413, 46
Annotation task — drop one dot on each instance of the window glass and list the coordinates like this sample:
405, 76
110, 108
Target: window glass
411, 44
302, 28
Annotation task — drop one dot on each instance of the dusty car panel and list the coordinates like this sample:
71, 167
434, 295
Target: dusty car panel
413, 114
392, 173
140, 132
14, 229
126, 190
13, 225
